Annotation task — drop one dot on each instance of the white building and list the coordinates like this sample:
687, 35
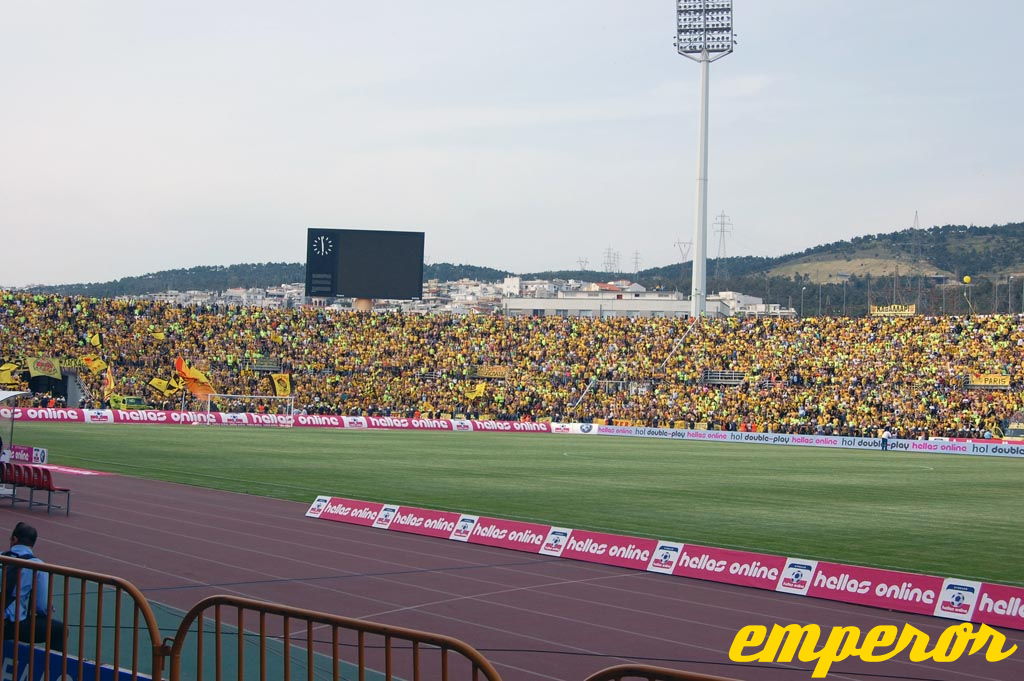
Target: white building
605, 303
512, 287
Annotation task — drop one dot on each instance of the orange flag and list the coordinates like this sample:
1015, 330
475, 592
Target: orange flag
195, 380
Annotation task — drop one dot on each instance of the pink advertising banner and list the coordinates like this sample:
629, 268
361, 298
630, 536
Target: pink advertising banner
1001, 606
903, 591
424, 521
759, 570
610, 549
994, 604
509, 534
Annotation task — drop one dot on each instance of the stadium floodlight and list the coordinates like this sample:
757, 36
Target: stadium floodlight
704, 34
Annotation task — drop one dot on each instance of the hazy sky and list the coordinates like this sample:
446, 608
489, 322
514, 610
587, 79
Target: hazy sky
139, 135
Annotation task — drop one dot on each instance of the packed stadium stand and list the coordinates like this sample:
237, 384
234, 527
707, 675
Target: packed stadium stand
834, 375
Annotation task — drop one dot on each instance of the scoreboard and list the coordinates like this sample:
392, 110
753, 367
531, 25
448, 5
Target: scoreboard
364, 263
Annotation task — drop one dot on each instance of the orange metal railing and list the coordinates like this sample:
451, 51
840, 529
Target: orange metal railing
86, 623
297, 643
78, 619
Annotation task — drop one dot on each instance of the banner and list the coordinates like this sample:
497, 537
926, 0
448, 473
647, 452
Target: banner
352, 511
492, 372
729, 566
609, 549
903, 591
43, 366
509, 534
420, 521
49, 414
27, 454
894, 310
282, 384
511, 426
1001, 448
994, 604
1001, 606
998, 381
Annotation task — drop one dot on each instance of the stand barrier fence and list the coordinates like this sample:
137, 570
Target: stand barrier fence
75, 625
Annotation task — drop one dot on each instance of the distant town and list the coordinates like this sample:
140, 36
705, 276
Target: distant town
513, 296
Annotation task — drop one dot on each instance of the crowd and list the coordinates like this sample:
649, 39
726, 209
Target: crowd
850, 376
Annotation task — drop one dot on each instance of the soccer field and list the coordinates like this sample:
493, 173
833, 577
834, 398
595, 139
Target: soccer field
940, 514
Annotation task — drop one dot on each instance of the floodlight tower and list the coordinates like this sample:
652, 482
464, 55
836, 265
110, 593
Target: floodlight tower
703, 34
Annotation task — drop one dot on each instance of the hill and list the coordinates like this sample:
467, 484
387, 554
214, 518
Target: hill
917, 265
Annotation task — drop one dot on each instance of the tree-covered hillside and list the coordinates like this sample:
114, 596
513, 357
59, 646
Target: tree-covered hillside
919, 266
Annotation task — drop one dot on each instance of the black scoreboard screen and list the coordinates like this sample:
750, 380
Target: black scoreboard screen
364, 263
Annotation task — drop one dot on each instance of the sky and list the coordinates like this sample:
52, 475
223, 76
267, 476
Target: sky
526, 136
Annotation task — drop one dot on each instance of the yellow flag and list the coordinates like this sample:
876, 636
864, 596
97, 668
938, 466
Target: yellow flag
43, 366
94, 363
7, 370
160, 385
199, 376
108, 383
96, 340
276, 337
282, 384
159, 335
478, 391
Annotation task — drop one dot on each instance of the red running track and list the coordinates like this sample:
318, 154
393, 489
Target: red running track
534, 617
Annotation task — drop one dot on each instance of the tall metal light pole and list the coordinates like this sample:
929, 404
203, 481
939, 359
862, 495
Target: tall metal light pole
802, 301
703, 34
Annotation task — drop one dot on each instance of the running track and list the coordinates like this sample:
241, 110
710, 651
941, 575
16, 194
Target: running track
533, 616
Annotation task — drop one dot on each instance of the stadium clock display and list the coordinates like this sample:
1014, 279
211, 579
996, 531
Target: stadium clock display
322, 245
362, 263
321, 263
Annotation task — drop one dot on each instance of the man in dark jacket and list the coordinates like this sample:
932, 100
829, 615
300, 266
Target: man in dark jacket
27, 591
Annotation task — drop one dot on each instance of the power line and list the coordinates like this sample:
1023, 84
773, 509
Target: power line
723, 226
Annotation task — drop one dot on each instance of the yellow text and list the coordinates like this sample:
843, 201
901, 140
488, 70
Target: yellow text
785, 643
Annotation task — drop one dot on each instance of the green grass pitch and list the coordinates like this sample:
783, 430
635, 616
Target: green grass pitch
940, 514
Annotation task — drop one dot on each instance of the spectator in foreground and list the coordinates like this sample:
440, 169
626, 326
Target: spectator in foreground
28, 590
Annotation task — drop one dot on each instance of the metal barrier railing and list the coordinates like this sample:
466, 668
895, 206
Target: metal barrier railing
642, 671
306, 644
83, 624
59, 623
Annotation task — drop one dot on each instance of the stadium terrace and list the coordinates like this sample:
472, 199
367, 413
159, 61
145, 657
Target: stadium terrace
824, 376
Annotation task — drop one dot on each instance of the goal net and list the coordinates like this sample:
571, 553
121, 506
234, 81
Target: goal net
269, 410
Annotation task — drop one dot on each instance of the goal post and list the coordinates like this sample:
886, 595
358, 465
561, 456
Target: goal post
253, 404
7, 398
